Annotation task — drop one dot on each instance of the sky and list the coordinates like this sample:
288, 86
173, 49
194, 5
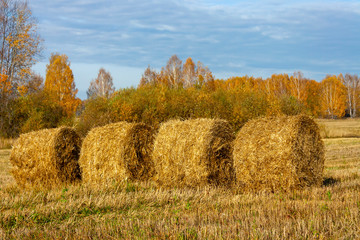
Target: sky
233, 38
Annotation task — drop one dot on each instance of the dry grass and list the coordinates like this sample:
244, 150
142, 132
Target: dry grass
141, 211
6, 143
342, 128
5, 166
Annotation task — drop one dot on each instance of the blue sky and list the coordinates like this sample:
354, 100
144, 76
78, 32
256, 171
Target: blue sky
232, 38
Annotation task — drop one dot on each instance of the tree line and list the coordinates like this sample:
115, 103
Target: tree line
179, 90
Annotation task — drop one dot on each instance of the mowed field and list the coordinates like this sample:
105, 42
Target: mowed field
142, 211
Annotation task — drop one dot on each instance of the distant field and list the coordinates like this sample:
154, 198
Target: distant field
141, 211
5, 177
331, 128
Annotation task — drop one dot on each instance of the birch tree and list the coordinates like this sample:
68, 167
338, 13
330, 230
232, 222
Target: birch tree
173, 71
298, 86
102, 86
148, 77
333, 97
203, 74
351, 83
189, 76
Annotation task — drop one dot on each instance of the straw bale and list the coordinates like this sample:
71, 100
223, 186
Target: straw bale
193, 153
117, 152
278, 154
46, 158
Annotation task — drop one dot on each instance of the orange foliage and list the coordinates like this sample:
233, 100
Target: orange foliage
278, 85
5, 84
22, 90
312, 95
245, 83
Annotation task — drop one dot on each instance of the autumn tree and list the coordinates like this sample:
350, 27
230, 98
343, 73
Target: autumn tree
203, 74
102, 86
351, 83
20, 43
5, 111
277, 85
297, 86
5, 85
188, 74
333, 97
20, 46
175, 75
148, 77
173, 71
33, 84
313, 94
59, 83
244, 83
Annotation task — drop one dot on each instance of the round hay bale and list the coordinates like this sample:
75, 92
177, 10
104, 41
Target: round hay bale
46, 158
194, 153
278, 154
117, 152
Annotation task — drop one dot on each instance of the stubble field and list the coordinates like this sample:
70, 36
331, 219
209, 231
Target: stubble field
142, 211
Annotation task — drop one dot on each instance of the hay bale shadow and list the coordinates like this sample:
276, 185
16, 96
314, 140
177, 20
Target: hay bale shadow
330, 181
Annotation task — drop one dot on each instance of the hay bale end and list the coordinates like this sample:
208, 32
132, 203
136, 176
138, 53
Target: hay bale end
278, 154
46, 158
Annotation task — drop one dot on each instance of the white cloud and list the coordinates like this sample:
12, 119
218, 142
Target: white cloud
158, 27
274, 34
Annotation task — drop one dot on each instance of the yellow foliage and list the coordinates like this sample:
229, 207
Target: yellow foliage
60, 83
22, 43
333, 99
